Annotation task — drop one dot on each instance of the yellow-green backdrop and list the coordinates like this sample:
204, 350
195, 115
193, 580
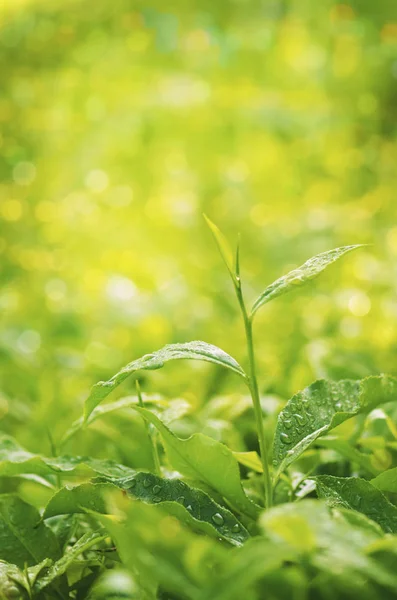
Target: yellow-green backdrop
122, 122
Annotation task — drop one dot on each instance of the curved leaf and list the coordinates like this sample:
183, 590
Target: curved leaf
300, 276
349, 452
223, 247
203, 458
322, 406
189, 504
196, 350
15, 460
23, 538
170, 411
250, 460
60, 567
386, 481
360, 495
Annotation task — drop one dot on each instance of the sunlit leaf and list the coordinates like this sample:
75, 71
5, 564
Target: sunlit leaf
300, 276
161, 550
190, 350
204, 459
170, 410
358, 494
386, 481
321, 407
223, 247
23, 539
15, 460
257, 559
250, 460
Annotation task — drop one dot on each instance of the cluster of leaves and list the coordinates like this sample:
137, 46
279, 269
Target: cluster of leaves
200, 523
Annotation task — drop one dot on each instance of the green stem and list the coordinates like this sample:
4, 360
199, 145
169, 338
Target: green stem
253, 386
151, 434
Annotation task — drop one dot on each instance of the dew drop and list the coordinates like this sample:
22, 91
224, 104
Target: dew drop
156, 499
297, 277
287, 423
107, 383
156, 489
181, 500
301, 419
236, 528
218, 519
284, 438
147, 483
189, 508
154, 366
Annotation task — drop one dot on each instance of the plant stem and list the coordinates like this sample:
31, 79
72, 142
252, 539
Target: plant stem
253, 386
151, 434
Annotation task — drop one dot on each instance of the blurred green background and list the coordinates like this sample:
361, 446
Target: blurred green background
121, 123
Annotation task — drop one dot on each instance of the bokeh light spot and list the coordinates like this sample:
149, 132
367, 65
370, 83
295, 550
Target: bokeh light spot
359, 304
97, 181
11, 210
24, 173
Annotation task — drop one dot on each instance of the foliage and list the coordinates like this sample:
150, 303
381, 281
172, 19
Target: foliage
170, 531
121, 126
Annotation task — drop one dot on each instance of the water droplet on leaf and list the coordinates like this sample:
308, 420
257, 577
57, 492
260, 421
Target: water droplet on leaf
284, 438
218, 519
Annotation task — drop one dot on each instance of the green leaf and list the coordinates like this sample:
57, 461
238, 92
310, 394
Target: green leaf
11, 575
321, 407
345, 449
223, 247
246, 566
204, 459
250, 460
23, 538
60, 566
360, 495
15, 460
190, 505
196, 350
300, 276
386, 481
79, 499
160, 550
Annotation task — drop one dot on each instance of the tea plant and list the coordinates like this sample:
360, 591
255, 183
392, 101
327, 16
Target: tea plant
313, 516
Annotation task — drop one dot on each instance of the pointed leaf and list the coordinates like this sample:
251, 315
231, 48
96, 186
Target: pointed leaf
60, 567
300, 276
250, 460
190, 350
79, 499
170, 410
360, 495
386, 481
190, 505
204, 459
15, 460
223, 246
345, 449
23, 539
322, 406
